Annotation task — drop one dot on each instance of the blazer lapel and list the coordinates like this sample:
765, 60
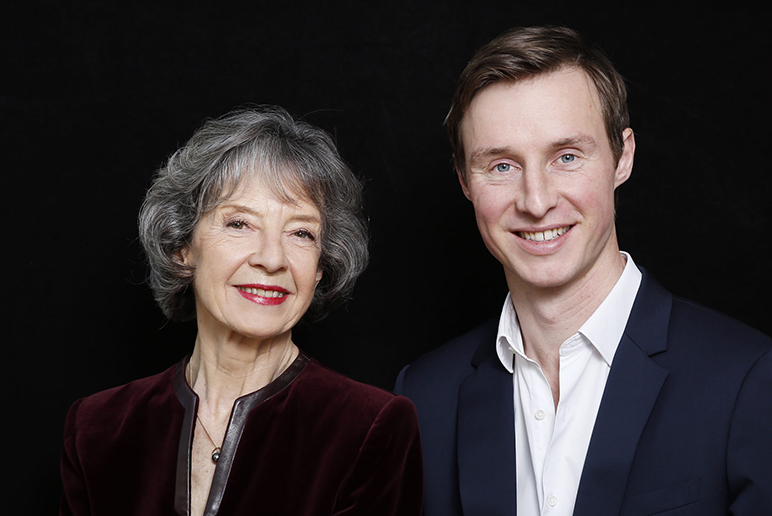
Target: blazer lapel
631, 392
486, 438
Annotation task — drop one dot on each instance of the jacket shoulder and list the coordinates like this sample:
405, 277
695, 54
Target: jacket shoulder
136, 394
449, 364
679, 331
99, 421
716, 334
318, 385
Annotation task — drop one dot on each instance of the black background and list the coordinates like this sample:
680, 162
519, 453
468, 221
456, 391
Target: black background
95, 95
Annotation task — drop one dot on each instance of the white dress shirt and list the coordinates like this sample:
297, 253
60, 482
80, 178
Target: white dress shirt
550, 444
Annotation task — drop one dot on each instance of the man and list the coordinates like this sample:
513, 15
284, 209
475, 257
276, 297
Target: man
595, 392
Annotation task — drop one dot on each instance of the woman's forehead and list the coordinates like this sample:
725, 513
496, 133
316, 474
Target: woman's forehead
282, 180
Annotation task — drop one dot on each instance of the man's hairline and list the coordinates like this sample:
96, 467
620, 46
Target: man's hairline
463, 174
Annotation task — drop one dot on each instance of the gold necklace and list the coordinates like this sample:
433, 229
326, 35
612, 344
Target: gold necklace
217, 449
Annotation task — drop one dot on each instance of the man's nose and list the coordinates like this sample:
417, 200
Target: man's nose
537, 195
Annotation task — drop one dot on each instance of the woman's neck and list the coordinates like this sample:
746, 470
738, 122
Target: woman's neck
224, 368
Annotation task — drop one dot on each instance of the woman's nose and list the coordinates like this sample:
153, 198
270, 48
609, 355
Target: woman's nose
269, 253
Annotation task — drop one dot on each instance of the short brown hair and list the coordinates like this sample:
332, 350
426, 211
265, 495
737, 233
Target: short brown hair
523, 53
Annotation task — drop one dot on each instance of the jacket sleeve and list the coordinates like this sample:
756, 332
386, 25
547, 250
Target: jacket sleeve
75, 494
387, 477
399, 386
750, 446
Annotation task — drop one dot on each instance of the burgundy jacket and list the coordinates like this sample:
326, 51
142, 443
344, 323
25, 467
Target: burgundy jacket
312, 442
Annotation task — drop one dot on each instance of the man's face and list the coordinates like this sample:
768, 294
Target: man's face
541, 176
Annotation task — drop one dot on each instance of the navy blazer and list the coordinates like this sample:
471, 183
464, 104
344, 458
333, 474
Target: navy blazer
684, 426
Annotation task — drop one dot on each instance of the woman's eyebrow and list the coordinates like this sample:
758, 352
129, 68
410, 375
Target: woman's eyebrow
300, 217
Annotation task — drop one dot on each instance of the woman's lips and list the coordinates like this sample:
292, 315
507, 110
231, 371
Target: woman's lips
263, 294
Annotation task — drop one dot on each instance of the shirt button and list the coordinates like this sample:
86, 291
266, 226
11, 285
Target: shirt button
539, 415
552, 500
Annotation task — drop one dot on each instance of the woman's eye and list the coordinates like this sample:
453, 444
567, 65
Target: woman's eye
237, 224
503, 167
303, 233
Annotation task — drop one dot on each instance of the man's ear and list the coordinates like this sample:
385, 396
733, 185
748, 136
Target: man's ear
625, 165
462, 181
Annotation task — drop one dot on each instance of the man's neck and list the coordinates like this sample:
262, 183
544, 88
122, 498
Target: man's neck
547, 317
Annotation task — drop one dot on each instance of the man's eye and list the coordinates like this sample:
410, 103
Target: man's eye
567, 158
503, 167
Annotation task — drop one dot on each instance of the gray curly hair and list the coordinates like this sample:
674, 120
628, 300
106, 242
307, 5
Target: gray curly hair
292, 157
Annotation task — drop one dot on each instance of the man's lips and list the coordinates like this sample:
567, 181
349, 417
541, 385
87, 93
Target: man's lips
545, 235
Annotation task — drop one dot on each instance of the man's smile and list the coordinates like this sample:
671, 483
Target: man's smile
543, 236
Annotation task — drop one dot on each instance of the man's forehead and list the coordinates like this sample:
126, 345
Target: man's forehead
562, 96
574, 81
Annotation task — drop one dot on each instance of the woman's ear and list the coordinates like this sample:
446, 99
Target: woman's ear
318, 276
182, 256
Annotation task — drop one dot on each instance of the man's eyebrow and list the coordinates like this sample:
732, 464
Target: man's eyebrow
488, 152
580, 139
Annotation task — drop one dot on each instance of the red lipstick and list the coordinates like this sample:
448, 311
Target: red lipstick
263, 294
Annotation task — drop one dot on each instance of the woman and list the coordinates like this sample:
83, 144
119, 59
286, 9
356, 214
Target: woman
255, 221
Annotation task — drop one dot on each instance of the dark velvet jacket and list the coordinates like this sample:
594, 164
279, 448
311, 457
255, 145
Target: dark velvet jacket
312, 442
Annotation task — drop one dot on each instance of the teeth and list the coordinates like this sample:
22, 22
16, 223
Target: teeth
543, 236
262, 293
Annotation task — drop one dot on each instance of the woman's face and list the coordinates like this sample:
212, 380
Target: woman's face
256, 263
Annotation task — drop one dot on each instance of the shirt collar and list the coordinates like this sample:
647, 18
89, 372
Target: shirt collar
606, 325
603, 329
509, 340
